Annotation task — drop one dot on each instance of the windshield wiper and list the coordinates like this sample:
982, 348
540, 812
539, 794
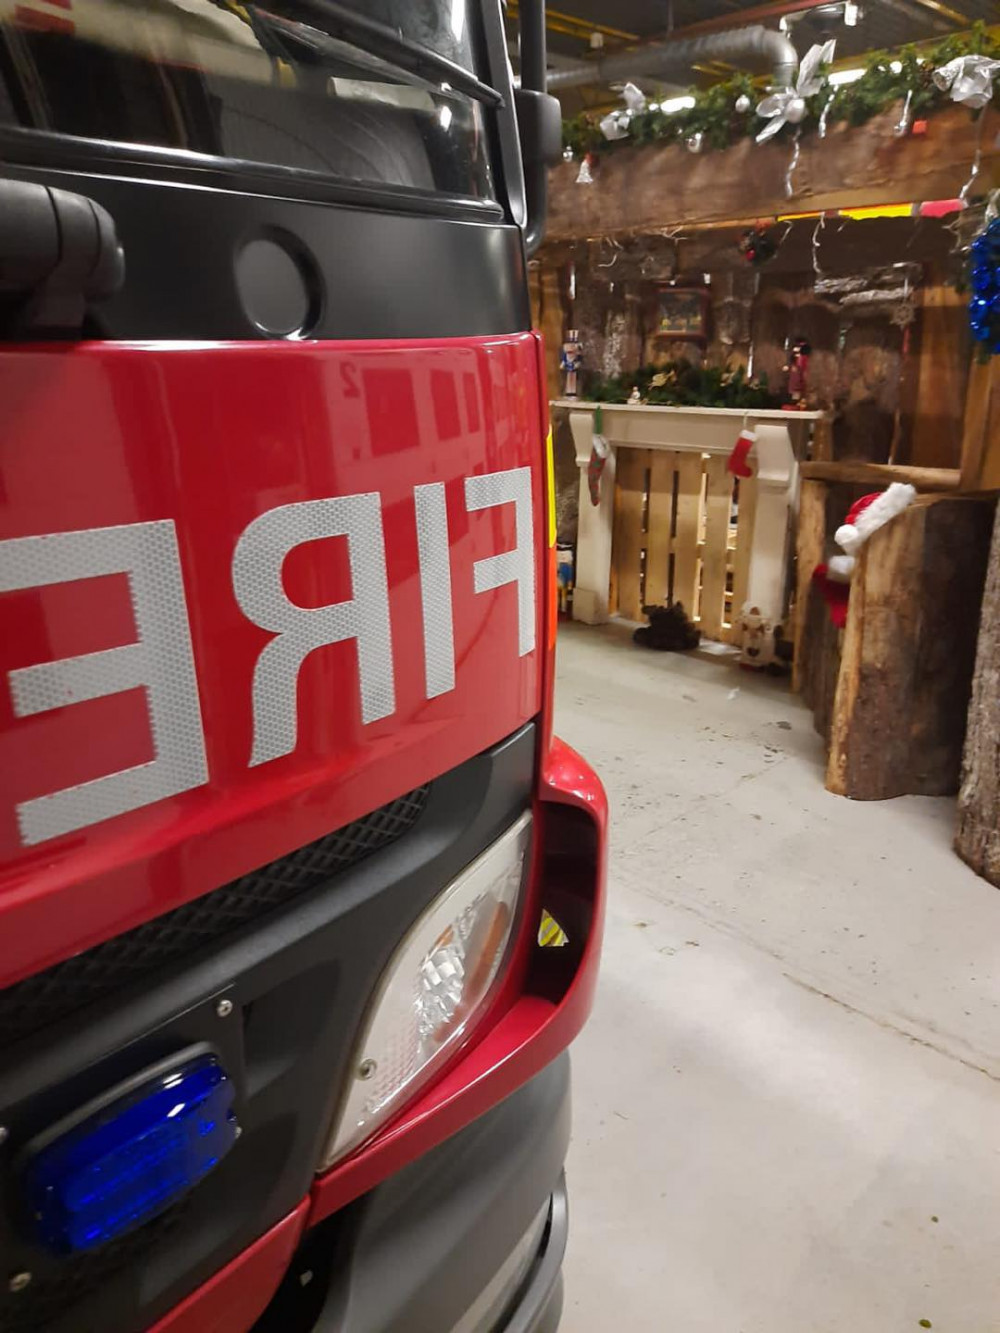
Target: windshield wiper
381, 40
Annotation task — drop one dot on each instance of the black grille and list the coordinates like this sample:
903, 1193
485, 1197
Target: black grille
61, 1287
63, 989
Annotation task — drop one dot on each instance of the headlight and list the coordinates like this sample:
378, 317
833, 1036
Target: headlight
435, 986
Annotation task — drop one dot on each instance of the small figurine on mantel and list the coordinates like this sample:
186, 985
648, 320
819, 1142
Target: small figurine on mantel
634, 398
571, 362
797, 370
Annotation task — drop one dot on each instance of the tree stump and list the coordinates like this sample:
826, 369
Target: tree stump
977, 840
907, 658
818, 659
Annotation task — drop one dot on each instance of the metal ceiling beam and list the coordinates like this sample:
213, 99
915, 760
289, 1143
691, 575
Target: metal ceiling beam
924, 44
774, 9
907, 9
570, 25
586, 26
946, 11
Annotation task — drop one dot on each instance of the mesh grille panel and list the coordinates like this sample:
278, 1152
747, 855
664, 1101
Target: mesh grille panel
63, 989
59, 1289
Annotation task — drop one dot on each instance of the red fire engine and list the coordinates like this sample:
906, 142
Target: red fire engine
281, 813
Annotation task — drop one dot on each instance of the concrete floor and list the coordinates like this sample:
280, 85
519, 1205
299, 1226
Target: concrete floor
787, 1100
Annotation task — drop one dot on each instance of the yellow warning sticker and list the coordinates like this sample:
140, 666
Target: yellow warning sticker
550, 934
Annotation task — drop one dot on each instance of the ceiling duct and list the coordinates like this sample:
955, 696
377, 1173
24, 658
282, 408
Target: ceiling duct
664, 60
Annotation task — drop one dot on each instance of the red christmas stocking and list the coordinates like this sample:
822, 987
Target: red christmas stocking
836, 594
598, 457
737, 462
594, 469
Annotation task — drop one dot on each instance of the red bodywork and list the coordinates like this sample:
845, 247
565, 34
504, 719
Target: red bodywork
212, 436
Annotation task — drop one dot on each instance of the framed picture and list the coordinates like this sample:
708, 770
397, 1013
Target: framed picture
682, 312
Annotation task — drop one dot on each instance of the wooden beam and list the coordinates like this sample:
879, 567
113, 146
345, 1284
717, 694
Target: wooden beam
881, 474
942, 371
641, 191
629, 538
981, 435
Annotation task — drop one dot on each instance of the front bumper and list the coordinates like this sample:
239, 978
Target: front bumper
542, 1008
548, 996
467, 1239
539, 1307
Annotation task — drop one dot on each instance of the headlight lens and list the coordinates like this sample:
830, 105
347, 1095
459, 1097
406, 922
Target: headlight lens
435, 986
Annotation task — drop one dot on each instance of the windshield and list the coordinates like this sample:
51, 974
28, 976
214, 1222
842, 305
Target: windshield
381, 92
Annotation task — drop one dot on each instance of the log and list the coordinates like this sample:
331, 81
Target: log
809, 548
977, 839
879, 475
818, 660
905, 676
816, 667
645, 189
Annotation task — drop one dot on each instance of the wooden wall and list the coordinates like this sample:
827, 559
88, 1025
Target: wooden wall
898, 390
936, 392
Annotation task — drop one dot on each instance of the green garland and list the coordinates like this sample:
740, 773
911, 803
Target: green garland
714, 113
681, 384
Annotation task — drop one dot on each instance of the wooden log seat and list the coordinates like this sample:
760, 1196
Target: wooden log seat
890, 692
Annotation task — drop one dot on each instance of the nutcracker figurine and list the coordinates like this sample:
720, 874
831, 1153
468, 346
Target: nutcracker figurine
564, 577
570, 362
798, 372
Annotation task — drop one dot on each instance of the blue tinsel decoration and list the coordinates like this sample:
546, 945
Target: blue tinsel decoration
984, 276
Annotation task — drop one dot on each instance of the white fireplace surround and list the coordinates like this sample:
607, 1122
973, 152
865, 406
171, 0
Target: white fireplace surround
782, 441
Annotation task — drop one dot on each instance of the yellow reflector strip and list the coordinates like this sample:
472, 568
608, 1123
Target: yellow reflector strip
550, 934
550, 482
878, 211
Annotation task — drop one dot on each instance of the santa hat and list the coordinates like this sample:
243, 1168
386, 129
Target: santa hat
864, 517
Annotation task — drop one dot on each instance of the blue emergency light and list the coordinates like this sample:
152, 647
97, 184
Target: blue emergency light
133, 1158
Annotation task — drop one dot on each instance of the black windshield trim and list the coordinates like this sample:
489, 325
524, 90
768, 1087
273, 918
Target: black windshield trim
381, 40
68, 153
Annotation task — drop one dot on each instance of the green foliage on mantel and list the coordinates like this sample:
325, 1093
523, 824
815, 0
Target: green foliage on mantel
714, 114
681, 384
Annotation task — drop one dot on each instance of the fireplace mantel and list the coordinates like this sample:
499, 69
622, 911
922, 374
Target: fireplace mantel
782, 442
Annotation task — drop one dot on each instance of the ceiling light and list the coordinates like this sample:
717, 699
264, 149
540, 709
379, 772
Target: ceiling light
841, 76
674, 104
